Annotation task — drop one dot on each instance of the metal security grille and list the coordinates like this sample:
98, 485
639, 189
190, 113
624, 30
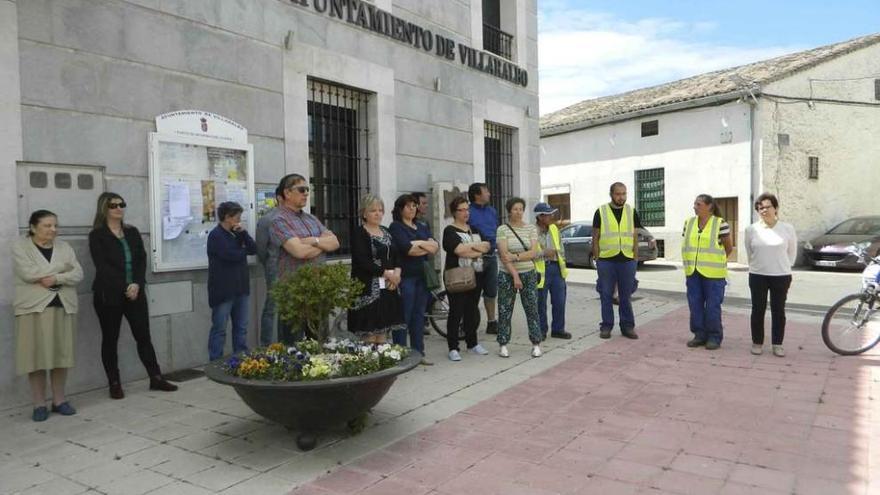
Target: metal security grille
497, 41
339, 159
651, 197
498, 146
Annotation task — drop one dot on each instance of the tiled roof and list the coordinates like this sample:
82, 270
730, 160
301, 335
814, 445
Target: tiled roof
732, 81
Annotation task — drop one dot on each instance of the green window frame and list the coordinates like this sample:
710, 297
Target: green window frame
651, 197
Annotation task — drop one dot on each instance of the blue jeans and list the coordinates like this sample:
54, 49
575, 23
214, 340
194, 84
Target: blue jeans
621, 274
414, 294
554, 286
268, 318
237, 308
705, 296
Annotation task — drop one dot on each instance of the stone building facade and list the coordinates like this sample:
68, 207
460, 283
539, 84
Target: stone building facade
432, 91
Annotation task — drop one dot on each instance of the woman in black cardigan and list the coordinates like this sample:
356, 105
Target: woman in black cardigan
120, 274
374, 262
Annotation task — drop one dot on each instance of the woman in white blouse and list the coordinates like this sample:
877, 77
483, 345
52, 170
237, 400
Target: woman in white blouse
772, 247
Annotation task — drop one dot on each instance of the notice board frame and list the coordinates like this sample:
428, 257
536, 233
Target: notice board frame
156, 181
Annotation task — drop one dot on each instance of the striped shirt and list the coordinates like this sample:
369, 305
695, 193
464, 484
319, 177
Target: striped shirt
528, 233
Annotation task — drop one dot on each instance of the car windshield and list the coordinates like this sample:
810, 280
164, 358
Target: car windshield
858, 226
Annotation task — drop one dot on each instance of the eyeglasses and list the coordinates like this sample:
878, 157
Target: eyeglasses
113, 206
763, 207
299, 189
462, 209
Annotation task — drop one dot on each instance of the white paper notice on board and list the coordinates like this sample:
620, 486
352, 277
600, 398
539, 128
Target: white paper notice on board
178, 199
172, 227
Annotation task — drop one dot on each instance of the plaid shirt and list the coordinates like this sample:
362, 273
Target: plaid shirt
287, 225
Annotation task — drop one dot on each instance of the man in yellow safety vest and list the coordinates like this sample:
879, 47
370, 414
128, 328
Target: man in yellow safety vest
615, 246
550, 265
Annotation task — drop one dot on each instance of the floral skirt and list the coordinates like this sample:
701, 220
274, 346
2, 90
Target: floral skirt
382, 314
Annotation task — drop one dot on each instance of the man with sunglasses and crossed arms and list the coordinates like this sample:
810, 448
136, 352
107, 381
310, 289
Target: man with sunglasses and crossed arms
302, 238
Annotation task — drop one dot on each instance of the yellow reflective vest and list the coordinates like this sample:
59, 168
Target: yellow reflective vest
702, 251
616, 237
560, 256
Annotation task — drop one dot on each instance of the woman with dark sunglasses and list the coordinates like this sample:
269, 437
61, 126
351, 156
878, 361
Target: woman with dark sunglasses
118, 290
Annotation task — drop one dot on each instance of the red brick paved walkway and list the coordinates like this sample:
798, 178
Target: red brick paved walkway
653, 417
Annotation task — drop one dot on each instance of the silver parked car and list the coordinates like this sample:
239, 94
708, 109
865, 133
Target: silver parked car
577, 242
835, 248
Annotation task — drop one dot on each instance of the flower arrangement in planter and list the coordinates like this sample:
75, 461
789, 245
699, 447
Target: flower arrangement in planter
311, 360
319, 383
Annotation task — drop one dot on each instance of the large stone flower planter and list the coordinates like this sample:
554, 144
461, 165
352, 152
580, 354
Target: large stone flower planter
312, 406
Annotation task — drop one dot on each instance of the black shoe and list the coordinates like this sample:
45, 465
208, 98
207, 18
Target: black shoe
159, 383
560, 335
629, 333
711, 346
116, 391
492, 327
604, 334
695, 342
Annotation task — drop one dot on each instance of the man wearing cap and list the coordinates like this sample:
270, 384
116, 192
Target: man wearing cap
550, 265
615, 243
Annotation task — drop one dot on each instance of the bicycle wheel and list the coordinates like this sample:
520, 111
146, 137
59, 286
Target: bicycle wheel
851, 326
439, 313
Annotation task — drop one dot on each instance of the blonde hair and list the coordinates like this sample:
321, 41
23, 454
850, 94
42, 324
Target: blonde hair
367, 201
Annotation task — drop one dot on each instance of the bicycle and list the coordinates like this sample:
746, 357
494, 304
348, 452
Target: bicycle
851, 326
436, 315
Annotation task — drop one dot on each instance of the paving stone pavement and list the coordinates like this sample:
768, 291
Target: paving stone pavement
590, 416
203, 439
652, 417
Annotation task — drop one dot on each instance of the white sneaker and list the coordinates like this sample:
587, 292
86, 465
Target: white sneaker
478, 349
503, 351
536, 351
757, 349
454, 355
777, 351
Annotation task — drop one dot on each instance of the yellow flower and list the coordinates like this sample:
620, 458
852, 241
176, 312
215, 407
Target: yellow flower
277, 348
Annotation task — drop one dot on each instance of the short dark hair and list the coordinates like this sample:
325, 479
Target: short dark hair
475, 190
228, 209
767, 197
616, 184
418, 195
400, 203
287, 182
512, 201
36, 217
453, 205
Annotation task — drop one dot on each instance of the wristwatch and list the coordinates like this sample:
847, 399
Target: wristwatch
317, 241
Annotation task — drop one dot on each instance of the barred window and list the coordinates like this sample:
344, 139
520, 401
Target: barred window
339, 159
651, 197
498, 149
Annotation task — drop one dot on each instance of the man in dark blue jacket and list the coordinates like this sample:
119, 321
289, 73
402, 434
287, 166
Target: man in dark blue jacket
228, 279
484, 218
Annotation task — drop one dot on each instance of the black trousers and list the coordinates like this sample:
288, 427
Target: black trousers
777, 286
110, 318
463, 306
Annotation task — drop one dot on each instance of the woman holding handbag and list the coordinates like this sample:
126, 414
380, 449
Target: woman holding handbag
517, 244
463, 274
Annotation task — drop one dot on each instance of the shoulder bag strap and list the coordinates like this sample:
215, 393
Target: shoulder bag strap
517, 237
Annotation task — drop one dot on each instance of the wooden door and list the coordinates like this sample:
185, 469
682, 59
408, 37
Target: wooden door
729, 209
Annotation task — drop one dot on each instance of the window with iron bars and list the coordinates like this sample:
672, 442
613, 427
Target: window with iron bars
339, 158
651, 197
498, 150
